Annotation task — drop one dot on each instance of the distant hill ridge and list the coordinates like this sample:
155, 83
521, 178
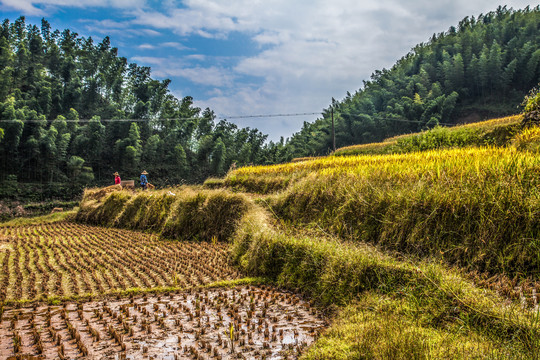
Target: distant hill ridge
481, 68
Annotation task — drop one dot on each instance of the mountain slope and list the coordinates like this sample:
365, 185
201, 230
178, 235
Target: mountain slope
483, 67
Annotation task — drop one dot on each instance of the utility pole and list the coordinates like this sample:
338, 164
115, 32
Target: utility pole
333, 131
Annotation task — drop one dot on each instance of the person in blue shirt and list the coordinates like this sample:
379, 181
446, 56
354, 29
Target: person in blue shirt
144, 180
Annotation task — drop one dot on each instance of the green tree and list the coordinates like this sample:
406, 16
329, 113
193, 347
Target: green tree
79, 174
219, 157
180, 159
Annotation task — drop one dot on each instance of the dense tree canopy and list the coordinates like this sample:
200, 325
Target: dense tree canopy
74, 111
483, 67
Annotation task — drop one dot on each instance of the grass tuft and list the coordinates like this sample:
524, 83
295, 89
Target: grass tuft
44, 219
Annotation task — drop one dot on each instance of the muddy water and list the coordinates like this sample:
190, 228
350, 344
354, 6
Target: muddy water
245, 322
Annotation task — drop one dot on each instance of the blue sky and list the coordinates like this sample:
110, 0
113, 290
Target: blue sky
252, 57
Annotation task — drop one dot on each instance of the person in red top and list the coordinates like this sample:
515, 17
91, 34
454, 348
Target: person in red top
117, 179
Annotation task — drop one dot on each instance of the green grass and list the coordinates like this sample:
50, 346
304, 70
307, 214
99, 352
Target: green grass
497, 132
387, 307
380, 327
44, 219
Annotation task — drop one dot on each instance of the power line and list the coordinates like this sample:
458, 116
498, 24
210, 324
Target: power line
173, 119
272, 115
395, 119
100, 120
225, 118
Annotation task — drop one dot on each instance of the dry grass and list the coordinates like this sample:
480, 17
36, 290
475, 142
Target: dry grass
528, 139
178, 213
476, 207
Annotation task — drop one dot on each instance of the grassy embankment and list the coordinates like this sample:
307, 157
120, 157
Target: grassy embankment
44, 219
473, 207
477, 208
496, 132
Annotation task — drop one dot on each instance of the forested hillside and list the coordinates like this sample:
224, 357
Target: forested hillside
58, 94
481, 68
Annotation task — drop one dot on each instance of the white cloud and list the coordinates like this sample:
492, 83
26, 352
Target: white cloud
146, 47
210, 76
303, 52
198, 57
118, 29
26, 7
36, 7
311, 50
150, 60
173, 44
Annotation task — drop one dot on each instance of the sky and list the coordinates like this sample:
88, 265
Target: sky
252, 57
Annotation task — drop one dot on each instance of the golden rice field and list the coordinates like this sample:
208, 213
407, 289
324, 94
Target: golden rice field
474, 207
433, 165
65, 259
370, 146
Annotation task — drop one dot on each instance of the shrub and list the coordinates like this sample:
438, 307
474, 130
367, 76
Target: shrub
528, 139
531, 107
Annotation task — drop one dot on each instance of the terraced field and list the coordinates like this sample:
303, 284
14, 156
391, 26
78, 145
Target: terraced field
71, 260
75, 291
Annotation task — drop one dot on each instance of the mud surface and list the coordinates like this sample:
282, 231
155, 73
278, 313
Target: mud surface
262, 322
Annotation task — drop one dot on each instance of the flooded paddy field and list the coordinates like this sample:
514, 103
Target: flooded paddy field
244, 322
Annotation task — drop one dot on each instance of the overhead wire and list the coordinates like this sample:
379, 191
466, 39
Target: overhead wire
234, 117
174, 119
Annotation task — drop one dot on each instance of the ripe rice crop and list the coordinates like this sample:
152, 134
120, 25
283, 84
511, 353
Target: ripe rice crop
474, 207
447, 167
69, 260
182, 213
241, 322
